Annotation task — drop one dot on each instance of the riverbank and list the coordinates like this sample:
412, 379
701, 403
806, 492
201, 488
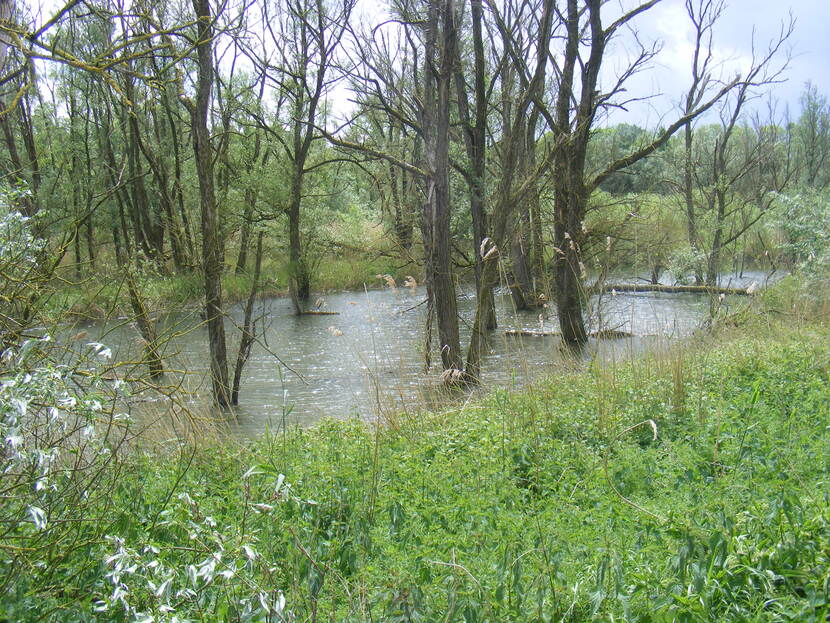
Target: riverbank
102, 295
691, 485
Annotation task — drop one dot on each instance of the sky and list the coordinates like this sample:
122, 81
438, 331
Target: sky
743, 20
668, 77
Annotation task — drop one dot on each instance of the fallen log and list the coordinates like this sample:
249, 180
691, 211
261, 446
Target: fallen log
651, 287
532, 332
611, 334
603, 334
316, 312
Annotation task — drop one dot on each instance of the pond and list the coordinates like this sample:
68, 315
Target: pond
367, 361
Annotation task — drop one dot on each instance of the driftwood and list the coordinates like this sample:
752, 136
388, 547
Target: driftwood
317, 312
651, 287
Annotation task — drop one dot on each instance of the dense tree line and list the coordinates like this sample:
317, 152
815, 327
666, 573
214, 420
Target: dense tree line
174, 136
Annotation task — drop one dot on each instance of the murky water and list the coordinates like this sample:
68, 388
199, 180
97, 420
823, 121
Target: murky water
367, 361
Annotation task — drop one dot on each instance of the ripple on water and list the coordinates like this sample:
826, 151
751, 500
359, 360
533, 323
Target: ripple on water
369, 358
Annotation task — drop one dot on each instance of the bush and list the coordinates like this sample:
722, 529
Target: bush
61, 441
805, 221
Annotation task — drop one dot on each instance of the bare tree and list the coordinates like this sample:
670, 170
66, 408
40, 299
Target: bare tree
426, 110
514, 185
711, 192
578, 102
703, 16
441, 40
473, 117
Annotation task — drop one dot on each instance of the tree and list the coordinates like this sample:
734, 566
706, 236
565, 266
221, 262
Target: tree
713, 192
6, 12
514, 184
441, 39
211, 236
578, 102
473, 119
304, 35
426, 109
813, 132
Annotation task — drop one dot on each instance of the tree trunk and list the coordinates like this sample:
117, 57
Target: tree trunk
508, 195
714, 260
251, 194
403, 222
688, 193
211, 245
146, 220
245, 231
567, 268
146, 328
480, 333
437, 206
475, 136
570, 195
188, 247
18, 172
299, 282
521, 287
28, 131
247, 339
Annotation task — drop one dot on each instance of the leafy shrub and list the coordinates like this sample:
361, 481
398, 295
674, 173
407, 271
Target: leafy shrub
60, 441
805, 220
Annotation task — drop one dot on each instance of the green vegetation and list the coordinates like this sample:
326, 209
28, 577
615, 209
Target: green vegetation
686, 486
94, 298
159, 155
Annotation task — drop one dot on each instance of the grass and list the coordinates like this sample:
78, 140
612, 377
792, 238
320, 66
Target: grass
555, 503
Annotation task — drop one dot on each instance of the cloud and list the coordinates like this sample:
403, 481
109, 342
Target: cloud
741, 26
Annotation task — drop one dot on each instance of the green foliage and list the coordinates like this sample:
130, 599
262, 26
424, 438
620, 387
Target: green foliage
61, 441
20, 255
500, 511
645, 176
805, 222
549, 504
641, 231
60, 460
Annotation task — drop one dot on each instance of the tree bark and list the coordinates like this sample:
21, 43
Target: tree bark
247, 339
508, 195
146, 328
652, 287
299, 281
251, 194
441, 42
475, 136
211, 245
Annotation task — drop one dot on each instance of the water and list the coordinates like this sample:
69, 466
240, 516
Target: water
367, 361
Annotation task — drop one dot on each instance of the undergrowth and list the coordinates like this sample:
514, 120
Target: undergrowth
688, 486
